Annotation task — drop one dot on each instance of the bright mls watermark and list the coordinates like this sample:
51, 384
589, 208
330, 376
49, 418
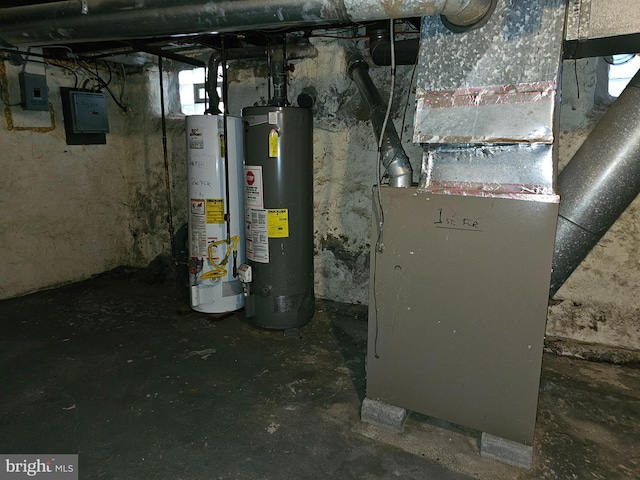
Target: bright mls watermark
50, 467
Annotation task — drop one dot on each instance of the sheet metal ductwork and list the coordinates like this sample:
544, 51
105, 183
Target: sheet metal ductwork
394, 158
598, 184
103, 20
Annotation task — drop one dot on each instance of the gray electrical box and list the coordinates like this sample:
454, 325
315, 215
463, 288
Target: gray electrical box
34, 94
89, 112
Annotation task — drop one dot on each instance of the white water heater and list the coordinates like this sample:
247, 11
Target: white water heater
216, 243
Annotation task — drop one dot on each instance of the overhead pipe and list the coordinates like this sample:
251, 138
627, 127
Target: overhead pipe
598, 184
394, 158
73, 21
406, 51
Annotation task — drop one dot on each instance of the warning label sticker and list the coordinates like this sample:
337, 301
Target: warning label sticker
196, 141
215, 256
215, 210
278, 222
257, 235
253, 197
197, 206
198, 228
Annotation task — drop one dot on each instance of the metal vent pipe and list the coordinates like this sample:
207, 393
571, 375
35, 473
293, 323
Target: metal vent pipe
598, 184
394, 157
103, 20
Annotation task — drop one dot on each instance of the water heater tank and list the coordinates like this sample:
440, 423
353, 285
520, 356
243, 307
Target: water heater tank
214, 255
278, 187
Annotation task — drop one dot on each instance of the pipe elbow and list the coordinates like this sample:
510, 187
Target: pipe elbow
461, 16
400, 172
355, 62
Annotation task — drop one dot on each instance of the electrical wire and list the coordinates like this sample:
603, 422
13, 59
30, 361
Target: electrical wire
406, 105
102, 84
167, 176
379, 244
124, 82
25, 59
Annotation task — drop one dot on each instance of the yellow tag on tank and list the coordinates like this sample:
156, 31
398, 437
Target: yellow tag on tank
278, 223
273, 143
215, 210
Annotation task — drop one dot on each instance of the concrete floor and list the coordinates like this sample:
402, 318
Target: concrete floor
123, 373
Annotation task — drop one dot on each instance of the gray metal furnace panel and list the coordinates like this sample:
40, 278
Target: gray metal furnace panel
458, 308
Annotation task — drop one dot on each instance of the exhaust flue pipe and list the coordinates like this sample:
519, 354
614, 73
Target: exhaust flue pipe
106, 20
394, 158
598, 184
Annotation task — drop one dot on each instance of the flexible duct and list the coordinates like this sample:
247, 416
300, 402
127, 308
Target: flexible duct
394, 158
102, 20
598, 184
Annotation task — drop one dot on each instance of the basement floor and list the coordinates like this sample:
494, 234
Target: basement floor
123, 373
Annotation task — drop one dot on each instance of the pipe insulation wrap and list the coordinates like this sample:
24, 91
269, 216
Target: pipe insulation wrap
598, 184
106, 20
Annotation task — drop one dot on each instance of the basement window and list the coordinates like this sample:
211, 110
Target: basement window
622, 68
193, 99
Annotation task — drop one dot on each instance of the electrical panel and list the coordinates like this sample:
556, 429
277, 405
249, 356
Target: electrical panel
85, 116
34, 94
89, 112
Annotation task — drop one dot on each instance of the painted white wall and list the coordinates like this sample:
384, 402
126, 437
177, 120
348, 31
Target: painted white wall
71, 211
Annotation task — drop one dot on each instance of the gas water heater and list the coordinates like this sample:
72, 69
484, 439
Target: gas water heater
216, 242
278, 188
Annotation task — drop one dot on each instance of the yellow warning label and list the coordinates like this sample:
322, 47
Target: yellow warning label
278, 223
222, 149
215, 210
273, 143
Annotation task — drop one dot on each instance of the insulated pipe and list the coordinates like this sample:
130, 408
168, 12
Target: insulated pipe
598, 184
394, 158
102, 20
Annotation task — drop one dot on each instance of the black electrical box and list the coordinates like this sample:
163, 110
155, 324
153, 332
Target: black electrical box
34, 94
85, 116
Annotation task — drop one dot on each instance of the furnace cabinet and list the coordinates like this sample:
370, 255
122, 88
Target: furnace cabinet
458, 305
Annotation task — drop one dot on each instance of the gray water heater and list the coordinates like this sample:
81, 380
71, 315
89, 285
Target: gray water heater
278, 186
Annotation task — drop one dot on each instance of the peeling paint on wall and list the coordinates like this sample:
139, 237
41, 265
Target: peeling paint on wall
72, 211
345, 152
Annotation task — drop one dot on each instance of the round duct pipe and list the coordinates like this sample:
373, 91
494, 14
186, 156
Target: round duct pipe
598, 184
103, 20
395, 160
